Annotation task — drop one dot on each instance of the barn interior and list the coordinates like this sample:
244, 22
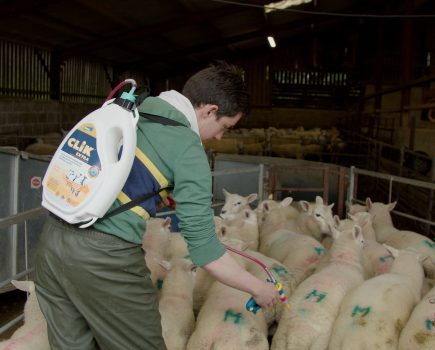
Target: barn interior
346, 85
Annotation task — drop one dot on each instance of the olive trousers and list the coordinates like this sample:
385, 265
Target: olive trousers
95, 291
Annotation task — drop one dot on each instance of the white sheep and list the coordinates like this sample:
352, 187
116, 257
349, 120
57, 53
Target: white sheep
373, 314
314, 219
299, 253
355, 208
278, 270
316, 301
32, 335
273, 215
155, 244
376, 258
243, 226
234, 203
223, 322
400, 239
419, 331
176, 303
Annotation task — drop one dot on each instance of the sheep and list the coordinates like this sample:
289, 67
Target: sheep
376, 258
273, 215
316, 301
155, 243
299, 253
278, 270
419, 331
400, 239
355, 208
32, 335
373, 314
224, 323
315, 219
176, 303
235, 203
243, 226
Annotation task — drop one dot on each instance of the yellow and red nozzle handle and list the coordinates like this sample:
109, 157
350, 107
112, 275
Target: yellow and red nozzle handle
252, 306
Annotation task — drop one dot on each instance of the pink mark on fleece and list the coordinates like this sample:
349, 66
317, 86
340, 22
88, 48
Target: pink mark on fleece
25, 339
312, 259
384, 267
344, 258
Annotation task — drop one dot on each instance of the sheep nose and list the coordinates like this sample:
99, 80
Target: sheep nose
223, 211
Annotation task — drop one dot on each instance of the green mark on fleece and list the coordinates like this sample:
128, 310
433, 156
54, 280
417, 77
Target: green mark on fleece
237, 317
313, 293
280, 271
429, 324
364, 311
429, 244
384, 258
319, 250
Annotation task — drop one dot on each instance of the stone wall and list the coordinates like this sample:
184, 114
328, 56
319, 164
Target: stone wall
22, 120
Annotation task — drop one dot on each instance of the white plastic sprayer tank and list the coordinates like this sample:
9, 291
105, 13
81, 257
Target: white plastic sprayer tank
88, 170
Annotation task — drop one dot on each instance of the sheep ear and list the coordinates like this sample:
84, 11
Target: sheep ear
392, 205
270, 196
304, 205
331, 206
252, 197
165, 264
394, 252
25, 286
319, 200
356, 231
286, 201
225, 192
369, 203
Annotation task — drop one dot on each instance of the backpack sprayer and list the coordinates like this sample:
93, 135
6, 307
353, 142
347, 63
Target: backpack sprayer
89, 168
251, 305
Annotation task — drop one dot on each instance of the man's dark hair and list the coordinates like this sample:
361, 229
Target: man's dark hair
221, 84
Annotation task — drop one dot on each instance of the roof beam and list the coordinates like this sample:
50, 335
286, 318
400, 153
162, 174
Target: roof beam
149, 30
105, 11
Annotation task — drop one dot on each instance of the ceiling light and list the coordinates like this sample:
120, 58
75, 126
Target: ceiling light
271, 41
281, 5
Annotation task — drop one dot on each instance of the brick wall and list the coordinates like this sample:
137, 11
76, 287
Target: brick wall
21, 119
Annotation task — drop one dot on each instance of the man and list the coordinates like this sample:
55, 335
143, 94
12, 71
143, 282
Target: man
92, 284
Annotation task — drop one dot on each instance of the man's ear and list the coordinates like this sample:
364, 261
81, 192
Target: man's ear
211, 109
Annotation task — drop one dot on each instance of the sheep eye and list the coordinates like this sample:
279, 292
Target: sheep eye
318, 215
238, 203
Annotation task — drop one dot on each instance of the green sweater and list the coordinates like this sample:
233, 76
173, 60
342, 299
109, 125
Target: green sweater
179, 160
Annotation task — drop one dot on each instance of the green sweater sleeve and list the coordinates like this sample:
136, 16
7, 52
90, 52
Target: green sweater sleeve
192, 193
